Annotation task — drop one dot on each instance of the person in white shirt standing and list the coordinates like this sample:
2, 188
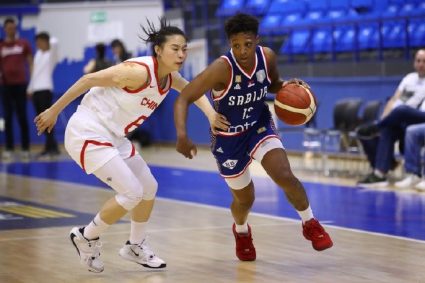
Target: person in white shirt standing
40, 88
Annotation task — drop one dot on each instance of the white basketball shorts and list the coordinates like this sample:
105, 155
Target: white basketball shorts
91, 144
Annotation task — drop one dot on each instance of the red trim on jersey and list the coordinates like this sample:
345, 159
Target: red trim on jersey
133, 150
260, 142
135, 123
83, 150
242, 70
143, 87
228, 85
265, 64
155, 68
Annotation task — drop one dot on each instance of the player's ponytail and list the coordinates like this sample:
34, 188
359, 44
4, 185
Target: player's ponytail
158, 37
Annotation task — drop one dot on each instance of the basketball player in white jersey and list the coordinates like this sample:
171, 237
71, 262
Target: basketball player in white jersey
119, 99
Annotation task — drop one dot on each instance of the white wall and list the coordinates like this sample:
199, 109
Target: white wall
70, 23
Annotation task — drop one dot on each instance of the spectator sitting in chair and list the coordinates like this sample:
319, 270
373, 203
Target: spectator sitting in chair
405, 108
414, 158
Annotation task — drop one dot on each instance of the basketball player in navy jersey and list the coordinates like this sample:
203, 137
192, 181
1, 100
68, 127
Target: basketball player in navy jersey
239, 82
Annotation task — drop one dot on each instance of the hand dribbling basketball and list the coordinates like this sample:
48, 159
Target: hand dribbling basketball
295, 103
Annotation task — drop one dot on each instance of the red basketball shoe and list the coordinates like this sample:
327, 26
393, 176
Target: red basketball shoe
313, 231
245, 249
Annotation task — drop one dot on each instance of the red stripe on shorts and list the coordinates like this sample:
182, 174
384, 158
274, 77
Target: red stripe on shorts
83, 150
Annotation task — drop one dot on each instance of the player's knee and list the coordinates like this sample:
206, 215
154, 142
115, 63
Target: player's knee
240, 182
150, 188
131, 198
286, 179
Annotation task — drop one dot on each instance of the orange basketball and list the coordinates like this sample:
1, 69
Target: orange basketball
295, 104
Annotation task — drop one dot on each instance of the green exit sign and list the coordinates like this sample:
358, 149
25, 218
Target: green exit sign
98, 17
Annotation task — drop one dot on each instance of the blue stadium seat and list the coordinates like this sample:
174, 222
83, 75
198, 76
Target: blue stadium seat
317, 5
339, 4
287, 6
407, 9
321, 11
291, 19
270, 24
322, 39
394, 34
345, 42
368, 37
419, 10
257, 7
229, 8
281, 15
380, 5
417, 33
315, 12
297, 43
391, 10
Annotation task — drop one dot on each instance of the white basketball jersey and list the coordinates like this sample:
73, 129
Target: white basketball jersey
123, 110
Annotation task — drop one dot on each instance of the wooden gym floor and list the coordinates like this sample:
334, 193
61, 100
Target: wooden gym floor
378, 235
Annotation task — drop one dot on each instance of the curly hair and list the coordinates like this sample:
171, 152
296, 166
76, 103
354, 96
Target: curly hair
241, 23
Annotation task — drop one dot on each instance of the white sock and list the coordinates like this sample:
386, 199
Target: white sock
306, 215
241, 229
95, 228
137, 232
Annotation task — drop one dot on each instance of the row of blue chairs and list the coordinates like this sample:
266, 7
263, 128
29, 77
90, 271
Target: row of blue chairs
262, 7
317, 26
277, 22
391, 35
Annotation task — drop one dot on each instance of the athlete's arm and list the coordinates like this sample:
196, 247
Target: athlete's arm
203, 103
216, 120
124, 75
276, 81
215, 76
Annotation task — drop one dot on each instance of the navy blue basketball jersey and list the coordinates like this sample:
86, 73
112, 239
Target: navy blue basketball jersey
243, 99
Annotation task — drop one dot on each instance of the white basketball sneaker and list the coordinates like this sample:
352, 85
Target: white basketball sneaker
141, 254
89, 250
410, 181
420, 186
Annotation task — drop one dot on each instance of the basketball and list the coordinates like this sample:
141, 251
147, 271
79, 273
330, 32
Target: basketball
295, 104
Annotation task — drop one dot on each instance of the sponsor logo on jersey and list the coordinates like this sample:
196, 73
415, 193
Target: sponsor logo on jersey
238, 79
261, 75
251, 83
220, 150
237, 86
230, 163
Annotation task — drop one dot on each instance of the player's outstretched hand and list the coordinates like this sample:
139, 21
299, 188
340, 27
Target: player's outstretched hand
186, 147
296, 81
218, 122
45, 121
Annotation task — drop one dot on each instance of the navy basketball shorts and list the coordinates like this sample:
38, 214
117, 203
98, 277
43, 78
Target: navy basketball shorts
234, 153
